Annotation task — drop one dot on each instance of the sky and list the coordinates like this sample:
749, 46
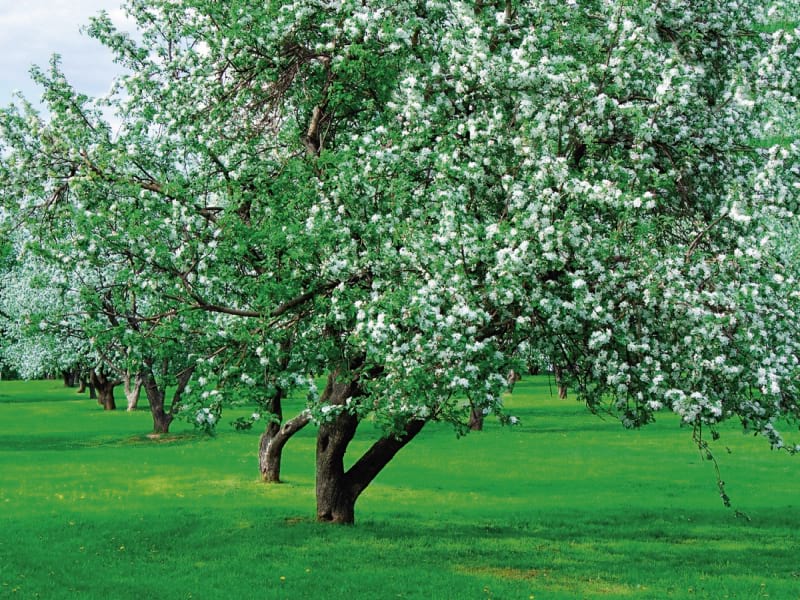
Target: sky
32, 30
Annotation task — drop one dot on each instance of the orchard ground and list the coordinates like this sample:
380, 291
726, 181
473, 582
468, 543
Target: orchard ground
564, 505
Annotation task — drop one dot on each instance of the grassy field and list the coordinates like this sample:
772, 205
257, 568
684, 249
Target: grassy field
567, 505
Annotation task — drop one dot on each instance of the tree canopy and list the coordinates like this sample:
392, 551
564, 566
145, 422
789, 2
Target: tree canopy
413, 198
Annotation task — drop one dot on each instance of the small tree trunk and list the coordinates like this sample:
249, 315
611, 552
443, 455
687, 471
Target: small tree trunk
162, 418
512, 378
69, 378
105, 390
155, 396
269, 457
132, 392
270, 448
562, 386
475, 419
105, 397
81, 385
269, 453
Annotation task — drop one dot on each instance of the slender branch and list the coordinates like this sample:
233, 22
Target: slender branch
699, 237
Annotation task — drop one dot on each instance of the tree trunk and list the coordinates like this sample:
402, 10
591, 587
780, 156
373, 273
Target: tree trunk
269, 453
337, 490
132, 392
155, 396
475, 419
162, 418
105, 397
105, 389
336, 498
270, 448
512, 378
69, 378
81, 385
562, 386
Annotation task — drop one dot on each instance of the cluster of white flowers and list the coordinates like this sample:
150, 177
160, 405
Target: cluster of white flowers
205, 416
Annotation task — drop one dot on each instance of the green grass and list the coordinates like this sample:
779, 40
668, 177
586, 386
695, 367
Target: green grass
566, 505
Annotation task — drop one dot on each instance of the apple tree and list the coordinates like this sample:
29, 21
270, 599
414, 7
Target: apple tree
409, 198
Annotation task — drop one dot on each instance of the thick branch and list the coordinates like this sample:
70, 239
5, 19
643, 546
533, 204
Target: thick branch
183, 380
361, 474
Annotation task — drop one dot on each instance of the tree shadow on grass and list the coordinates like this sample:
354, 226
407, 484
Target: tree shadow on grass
49, 443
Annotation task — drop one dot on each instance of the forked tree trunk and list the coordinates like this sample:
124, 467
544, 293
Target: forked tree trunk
132, 391
105, 389
162, 418
155, 396
270, 448
337, 490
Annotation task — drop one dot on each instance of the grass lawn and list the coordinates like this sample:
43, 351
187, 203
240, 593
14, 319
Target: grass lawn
566, 505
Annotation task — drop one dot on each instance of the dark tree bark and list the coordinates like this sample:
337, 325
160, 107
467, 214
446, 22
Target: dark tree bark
562, 386
270, 449
104, 387
81, 385
69, 378
156, 396
337, 490
336, 497
475, 419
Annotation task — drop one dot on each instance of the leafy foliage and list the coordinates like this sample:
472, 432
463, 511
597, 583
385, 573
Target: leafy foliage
415, 197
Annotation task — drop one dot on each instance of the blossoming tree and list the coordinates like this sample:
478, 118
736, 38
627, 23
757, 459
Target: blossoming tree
410, 198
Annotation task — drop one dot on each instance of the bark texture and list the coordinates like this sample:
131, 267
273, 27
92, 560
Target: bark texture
156, 396
562, 386
104, 387
337, 490
475, 419
133, 388
270, 449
